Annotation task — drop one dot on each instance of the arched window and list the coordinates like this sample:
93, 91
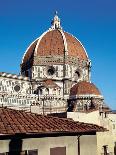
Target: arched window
77, 75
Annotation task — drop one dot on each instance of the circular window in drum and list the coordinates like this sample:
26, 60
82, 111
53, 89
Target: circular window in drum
17, 88
51, 70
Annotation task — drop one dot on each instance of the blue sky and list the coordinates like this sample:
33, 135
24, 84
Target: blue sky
93, 22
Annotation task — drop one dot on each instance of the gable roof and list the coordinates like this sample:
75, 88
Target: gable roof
18, 122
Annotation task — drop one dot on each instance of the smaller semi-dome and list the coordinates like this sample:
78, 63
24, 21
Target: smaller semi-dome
84, 88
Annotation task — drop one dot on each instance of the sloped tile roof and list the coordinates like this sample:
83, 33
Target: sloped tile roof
14, 121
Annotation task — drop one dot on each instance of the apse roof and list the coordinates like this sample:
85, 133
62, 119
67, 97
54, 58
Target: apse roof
84, 88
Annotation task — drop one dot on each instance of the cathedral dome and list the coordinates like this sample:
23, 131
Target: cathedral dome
84, 88
55, 42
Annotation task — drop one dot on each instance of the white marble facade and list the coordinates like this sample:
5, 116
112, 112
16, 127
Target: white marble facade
16, 91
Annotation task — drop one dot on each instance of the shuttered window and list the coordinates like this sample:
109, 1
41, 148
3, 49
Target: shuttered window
58, 151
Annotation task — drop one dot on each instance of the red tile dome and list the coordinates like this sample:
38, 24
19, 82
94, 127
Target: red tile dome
84, 88
55, 43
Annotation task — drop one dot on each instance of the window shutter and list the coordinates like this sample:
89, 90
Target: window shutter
58, 151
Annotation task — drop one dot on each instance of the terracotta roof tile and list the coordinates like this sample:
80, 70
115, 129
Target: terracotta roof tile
21, 122
51, 44
75, 48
